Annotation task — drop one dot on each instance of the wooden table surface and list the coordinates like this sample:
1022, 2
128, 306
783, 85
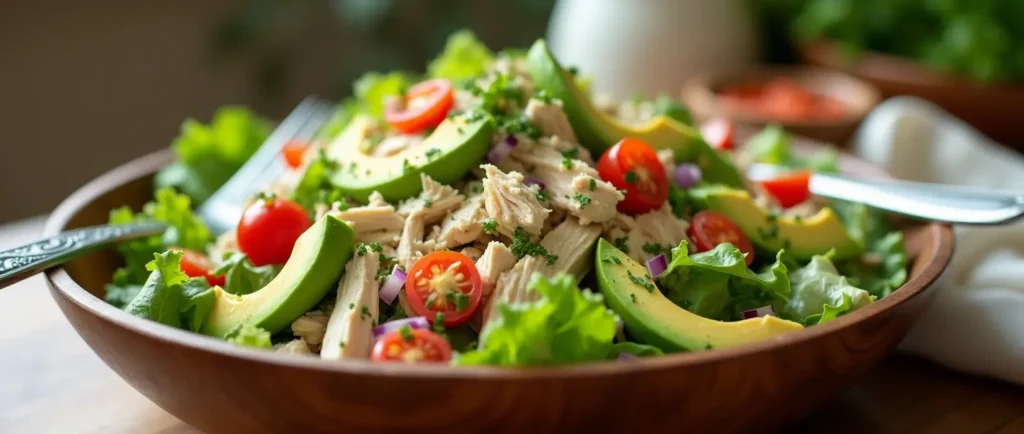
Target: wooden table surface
51, 382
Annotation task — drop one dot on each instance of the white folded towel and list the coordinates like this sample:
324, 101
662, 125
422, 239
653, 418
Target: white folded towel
976, 322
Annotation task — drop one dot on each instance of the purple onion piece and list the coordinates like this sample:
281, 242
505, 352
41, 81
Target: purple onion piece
759, 312
389, 291
417, 322
501, 149
687, 175
657, 265
533, 180
625, 357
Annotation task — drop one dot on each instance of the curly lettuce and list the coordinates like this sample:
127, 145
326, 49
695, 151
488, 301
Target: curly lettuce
717, 284
566, 325
170, 297
464, 57
884, 267
209, 154
773, 145
242, 277
185, 231
819, 294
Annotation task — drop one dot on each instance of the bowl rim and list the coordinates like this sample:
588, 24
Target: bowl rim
698, 92
62, 284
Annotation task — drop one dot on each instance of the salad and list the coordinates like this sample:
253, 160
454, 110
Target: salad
492, 212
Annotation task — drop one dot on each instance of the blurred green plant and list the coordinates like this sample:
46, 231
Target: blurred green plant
979, 39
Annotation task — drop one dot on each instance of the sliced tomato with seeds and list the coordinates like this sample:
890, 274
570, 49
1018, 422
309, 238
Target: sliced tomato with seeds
195, 264
720, 133
294, 152
708, 229
633, 166
444, 282
410, 345
790, 189
423, 106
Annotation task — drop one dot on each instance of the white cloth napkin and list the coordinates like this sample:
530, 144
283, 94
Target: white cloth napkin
976, 322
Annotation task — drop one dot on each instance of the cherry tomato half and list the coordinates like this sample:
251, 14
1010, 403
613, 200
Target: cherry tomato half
720, 133
295, 152
412, 346
633, 166
269, 228
790, 189
424, 106
708, 229
195, 264
444, 282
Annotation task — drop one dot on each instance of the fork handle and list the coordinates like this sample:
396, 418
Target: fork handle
20, 262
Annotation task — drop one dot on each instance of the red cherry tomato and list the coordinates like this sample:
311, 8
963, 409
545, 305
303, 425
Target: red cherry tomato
633, 166
412, 346
269, 228
444, 282
708, 229
295, 152
790, 189
424, 106
195, 264
720, 133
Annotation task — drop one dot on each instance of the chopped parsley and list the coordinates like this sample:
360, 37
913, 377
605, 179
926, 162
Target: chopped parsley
632, 297
352, 167
572, 70
351, 306
593, 184
432, 153
490, 226
406, 167
541, 195
477, 188
406, 333
364, 312
376, 246
342, 345
522, 246
631, 177
459, 299
428, 202
459, 130
361, 250
768, 233
657, 249
798, 218
543, 95
439, 323
581, 199
620, 243
567, 162
772, 216
383, 272
640, 281
610, 259
571, 152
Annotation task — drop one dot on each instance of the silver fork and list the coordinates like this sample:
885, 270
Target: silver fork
221, 211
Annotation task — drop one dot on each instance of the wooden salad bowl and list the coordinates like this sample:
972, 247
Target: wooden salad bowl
222, 388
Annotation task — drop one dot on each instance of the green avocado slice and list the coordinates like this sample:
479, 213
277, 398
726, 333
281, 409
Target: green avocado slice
447, 154
598, 130
801, 237
312, 270
652, 319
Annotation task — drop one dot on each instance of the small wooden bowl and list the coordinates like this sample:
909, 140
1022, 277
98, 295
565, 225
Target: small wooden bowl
994, 109
701, 95
222, 388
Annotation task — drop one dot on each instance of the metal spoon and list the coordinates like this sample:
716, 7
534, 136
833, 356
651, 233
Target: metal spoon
937, 202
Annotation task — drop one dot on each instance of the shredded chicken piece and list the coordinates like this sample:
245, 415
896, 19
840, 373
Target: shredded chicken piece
463, 226
651, 233
667, 159
512, 287
570, 183
550, 119
371, 222
472, 252
297, 346
496, 259
224, 245
573, 243
411, 246
377, 199
436, 200
511, 203
568, 148
349, 332
311, 327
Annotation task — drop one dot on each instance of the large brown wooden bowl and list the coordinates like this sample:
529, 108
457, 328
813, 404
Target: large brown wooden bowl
222, 388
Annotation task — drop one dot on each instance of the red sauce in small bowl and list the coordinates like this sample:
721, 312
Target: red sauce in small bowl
780, 99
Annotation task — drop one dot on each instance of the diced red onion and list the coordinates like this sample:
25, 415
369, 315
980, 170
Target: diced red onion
657, 265
687, 175
759, 312
501, 149
532, 180
394, 284
417, 322
625, 357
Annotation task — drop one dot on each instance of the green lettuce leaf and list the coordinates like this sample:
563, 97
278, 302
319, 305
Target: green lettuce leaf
773, 145
815, 287
242, 277
373, 88
249, 335
667, 106
170, 297
120, 292
207, 155
185, 230
464, 56
717, 284
884, 267
639, 350
566, 325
